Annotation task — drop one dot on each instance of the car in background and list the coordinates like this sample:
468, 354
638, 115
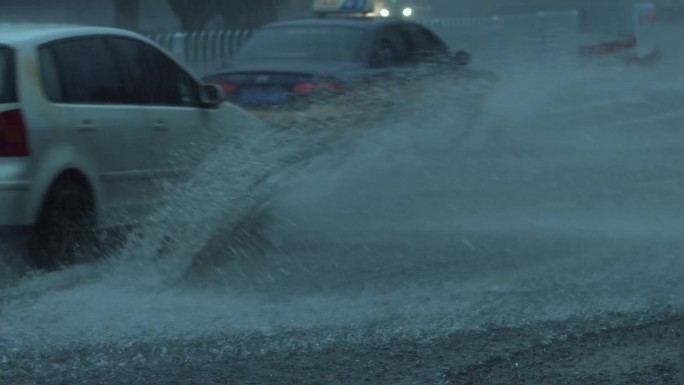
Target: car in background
336, 66
400, 8
93, 121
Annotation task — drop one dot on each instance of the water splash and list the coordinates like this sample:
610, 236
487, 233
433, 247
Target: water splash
385, 177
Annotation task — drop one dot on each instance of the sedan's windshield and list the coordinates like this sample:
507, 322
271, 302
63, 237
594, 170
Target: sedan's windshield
304, 43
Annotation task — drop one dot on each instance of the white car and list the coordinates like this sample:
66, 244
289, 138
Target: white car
91, 120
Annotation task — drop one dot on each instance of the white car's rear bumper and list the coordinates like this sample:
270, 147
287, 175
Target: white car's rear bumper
14, 193
13, 199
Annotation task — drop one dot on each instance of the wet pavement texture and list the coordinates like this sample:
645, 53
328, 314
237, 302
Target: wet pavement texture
539, 246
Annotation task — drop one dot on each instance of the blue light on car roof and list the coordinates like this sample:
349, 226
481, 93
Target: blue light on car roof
343, 6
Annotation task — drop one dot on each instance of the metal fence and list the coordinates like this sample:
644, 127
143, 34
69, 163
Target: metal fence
549, 38
496, 41
205, 51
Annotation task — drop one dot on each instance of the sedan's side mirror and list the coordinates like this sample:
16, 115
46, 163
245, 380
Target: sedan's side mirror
462, 58
212, 95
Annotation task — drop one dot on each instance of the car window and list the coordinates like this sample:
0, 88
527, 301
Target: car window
50, 74
423, 43
8, 92
132, 66
86, 72
392, 47
304, 43
150, 77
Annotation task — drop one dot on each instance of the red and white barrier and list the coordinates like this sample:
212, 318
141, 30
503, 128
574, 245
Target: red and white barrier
641, 47
645, 19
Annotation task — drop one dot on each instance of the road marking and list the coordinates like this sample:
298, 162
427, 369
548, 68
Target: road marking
600, 104
641, 121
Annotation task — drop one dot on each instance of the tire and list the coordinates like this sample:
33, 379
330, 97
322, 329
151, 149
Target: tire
65, 226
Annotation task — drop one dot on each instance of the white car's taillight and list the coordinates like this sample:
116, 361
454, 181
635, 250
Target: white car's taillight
13, 138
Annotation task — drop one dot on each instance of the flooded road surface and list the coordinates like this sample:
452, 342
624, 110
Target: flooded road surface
541, 245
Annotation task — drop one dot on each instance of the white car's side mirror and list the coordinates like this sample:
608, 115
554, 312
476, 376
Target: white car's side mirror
212, 95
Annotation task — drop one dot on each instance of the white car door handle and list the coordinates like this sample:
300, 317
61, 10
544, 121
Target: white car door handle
87, 127
160, 126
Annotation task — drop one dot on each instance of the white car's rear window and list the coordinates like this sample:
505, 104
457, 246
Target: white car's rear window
8, 92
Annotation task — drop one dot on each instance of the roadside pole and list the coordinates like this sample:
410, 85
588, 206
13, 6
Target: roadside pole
644, 18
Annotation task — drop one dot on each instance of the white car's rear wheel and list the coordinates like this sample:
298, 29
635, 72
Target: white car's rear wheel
65, 227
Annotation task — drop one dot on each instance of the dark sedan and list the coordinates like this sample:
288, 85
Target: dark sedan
337, 67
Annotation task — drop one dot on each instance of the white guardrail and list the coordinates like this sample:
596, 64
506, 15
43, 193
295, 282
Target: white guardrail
548, 38
495, 40
204, 51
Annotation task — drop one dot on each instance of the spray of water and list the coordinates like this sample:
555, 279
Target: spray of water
394, 180
240, 176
